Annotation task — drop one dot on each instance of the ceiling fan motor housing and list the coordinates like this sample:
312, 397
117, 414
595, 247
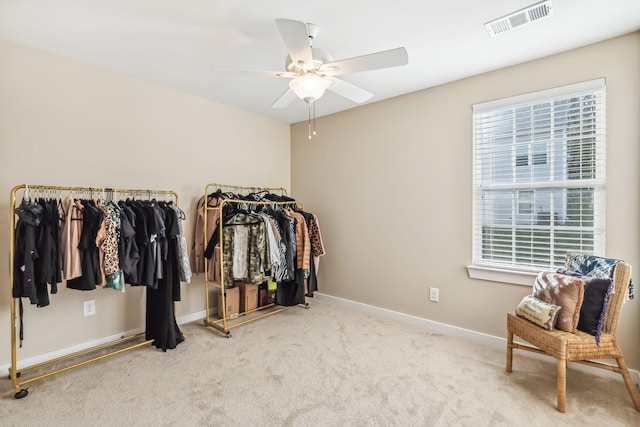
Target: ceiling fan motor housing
320, 57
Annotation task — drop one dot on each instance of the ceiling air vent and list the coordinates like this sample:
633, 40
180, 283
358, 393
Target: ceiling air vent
516, 19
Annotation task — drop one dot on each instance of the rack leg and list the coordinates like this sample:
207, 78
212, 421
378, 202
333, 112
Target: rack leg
22, 393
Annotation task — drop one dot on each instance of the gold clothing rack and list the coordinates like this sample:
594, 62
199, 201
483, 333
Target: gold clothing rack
237, 187
55, 191
226, 323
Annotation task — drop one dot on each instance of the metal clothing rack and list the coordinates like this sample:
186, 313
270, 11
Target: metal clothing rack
226, 323
52, 191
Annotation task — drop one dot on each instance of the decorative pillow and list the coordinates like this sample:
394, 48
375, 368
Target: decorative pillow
565, 291
594, 303
539, 312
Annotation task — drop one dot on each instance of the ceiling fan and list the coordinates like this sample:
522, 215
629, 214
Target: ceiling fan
313, 71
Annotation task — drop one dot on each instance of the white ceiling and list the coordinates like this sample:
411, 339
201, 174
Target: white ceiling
175, 43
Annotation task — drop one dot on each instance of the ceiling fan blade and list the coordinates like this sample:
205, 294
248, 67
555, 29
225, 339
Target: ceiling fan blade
348, 90
251, 73
285, 99
373, 61
296, 39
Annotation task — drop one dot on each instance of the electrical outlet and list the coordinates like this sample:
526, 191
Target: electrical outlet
434, 294
89, 308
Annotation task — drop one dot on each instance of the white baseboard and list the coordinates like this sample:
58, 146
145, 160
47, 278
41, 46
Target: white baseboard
192, 317
455, 331
4, 369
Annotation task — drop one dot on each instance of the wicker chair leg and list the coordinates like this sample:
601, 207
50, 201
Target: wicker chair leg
562, 384
629, 382
509, 351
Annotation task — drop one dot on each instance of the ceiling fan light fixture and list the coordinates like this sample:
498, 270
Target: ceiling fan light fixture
309, 87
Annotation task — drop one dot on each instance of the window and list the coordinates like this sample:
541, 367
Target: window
525, 202
539, 169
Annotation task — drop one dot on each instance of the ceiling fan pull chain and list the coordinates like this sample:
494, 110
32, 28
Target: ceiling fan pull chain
314, 119
309, 121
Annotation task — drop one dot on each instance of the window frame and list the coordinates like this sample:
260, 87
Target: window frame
523, 273
530, 199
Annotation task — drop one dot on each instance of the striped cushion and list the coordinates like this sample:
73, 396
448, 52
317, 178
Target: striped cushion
563, 290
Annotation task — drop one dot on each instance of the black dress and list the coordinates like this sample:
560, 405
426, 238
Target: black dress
144, 246
161, 325
47, 265
128, 253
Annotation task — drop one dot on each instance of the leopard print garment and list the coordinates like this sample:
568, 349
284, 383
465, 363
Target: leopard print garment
317, 247
110, 243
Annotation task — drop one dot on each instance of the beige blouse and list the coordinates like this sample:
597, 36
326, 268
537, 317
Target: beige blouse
71, 230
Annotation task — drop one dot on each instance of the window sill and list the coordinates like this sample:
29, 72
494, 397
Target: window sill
513, 277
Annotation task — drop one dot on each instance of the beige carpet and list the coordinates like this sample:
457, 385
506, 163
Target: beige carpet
325, 366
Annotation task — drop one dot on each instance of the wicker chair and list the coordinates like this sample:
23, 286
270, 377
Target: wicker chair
579, 347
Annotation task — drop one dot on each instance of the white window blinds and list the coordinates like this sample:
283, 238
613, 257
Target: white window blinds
539, 177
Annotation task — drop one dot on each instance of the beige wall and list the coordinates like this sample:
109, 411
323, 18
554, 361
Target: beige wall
71, 124
391, 183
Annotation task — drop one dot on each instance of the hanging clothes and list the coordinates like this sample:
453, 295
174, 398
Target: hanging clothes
25, 251
251, 251
317, 250
303, 244
108, 245
291, 292
287, 226
315, 236
47, 267
25, 254
91, 243
158, 241
70, 233
276, 252
128, 252
200, 241
184, 266
161, 325
90, 256
275, 242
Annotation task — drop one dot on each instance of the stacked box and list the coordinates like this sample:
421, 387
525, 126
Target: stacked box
232, 302
248, 296
266, 295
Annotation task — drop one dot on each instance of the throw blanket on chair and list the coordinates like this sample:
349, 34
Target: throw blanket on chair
594, 266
